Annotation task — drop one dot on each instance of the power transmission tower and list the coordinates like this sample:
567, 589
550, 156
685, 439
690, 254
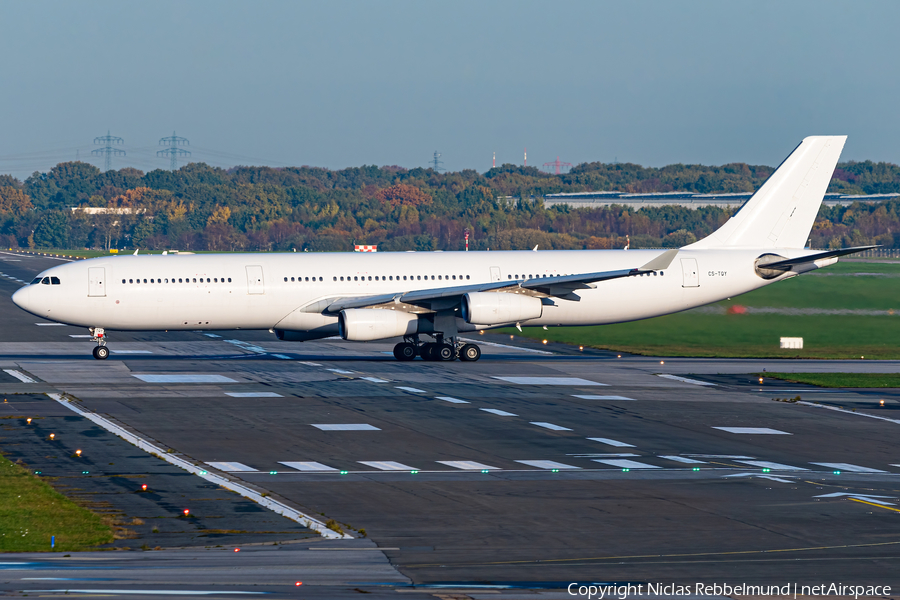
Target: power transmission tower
437, 162
107, 142
173, 151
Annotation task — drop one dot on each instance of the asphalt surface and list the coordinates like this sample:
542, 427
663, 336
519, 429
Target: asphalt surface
602, 470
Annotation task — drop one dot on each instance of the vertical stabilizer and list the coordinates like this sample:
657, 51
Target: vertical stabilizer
781, 213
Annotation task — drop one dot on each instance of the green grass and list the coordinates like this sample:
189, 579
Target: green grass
841, 380
31, 511
696, 333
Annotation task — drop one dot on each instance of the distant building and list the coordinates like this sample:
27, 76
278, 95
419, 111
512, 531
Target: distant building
686, 199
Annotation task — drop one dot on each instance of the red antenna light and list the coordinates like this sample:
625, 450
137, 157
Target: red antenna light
557, 165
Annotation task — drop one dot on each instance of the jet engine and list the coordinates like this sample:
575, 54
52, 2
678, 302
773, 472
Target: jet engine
491, 308
366, 324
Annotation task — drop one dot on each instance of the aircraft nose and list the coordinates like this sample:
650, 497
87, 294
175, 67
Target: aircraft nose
22, 298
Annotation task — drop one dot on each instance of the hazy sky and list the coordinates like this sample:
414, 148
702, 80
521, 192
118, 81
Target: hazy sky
338, 84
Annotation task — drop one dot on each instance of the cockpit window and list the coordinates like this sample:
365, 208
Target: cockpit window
36, 280
54, 281
45, 281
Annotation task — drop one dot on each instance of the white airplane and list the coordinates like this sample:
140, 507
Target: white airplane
365, 297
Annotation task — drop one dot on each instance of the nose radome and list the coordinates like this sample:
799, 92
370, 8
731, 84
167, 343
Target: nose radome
22, 298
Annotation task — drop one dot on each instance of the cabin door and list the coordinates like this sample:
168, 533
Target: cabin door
690, 272
495, 273
255, 283
96, 281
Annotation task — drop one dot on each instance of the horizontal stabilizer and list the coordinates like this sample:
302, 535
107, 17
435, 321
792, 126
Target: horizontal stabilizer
789, 263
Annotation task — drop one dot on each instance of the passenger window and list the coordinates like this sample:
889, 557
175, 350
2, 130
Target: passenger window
432, 277
291, 279
229, 280
179, 280
467, 276
404, 278
420, 277
195, 280
285, 278
454, 277
145, 281
54, 281
207, 280
376, 278
123, 281
151, 281
370, 278
342, 278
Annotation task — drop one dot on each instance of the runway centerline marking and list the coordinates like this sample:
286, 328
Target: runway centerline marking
467, 465
254, 395
593, 397
345, 427
753, 430
546, 464
498, 412
386, 465
684, 379
182, 378
232, 467
410, 389
681, 459
610, 442
306, 465
50, 324
848, 467
374, 379
550, 426
624, 463
764, 464
453, 400
574, 381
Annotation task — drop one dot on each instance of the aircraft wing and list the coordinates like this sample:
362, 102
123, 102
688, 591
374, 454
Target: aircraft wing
562, 287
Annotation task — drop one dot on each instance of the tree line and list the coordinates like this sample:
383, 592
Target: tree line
199, 207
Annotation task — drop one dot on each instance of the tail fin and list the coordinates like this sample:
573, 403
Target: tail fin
781, 213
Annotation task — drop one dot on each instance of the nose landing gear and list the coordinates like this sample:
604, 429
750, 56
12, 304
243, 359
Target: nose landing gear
100, 352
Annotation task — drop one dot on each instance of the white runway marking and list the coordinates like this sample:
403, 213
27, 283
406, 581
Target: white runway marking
282, 356
684, 379
340, 371
548, 381
345, 427
20, 376
308, 364
50, 324
752, 430
605, 455
132, 351
155, 378
498, 412
467, 465
731, 456
231, 467
81, 335
592, 397
410, 389
610, 442
148, 592
550, 426
306, 466
681, 459
848, 467
247, 346
546, 464
453, 400
496, 345
625, 464
387, 465
253, 395
374, 379
764, 464
212, 335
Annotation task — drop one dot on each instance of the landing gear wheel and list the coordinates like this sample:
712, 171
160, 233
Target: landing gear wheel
101, 352
470, 352
445, 352
427, 351
405, 351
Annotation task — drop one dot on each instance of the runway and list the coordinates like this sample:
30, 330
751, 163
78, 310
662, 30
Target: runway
537, 466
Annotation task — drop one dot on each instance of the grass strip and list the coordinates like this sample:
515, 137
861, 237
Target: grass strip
31, 512
840, 380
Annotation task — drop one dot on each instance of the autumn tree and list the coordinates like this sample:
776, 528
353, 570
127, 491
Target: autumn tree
402, 194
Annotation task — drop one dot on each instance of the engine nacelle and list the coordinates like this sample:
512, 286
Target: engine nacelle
491, 308
366, 324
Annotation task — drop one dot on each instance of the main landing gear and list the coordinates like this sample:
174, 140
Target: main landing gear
101, 352
439, 350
